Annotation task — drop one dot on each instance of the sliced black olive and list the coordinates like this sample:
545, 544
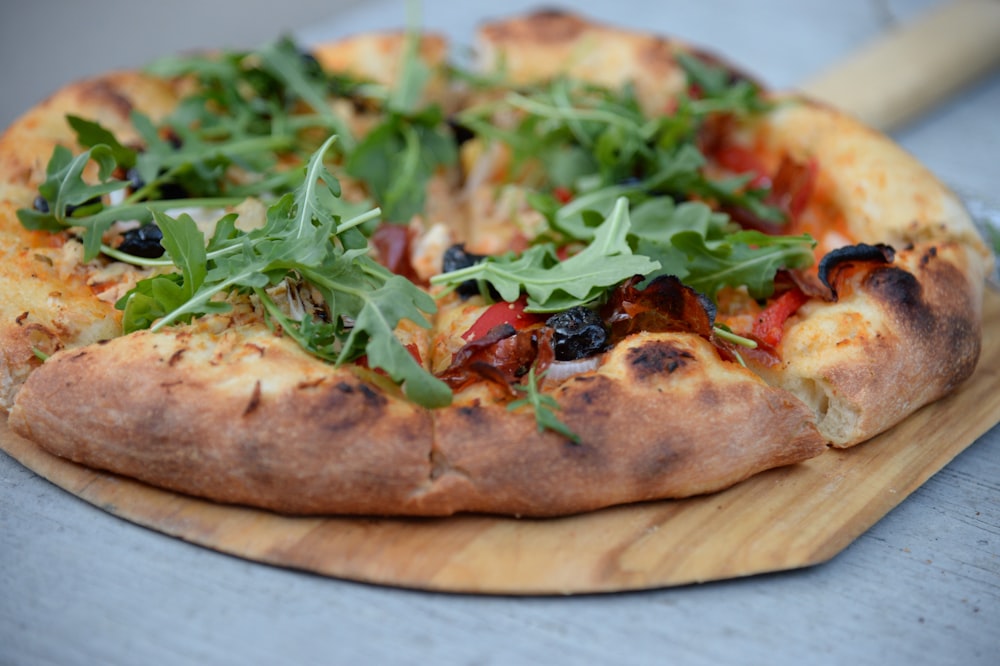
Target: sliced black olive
143, 242
577, 333
456, 258
165, 191
460, 132
41, 204
135, 181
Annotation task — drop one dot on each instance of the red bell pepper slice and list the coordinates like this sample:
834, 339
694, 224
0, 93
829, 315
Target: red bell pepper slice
503, 313
770, 323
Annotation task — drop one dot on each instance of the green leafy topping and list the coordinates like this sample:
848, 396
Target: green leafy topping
553, 285
543, 405
601, 144
398, 157
303, 241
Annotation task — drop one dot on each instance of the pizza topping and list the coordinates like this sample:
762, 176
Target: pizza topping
142, 241
769, 325
391, 243
502, 314
456, 258
552, 285
665, 304
502, 355
577, 333
790, 191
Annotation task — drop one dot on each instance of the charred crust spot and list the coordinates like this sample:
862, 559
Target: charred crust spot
468, 412
657, 358
344, 387
105, 95
311, 384
657, 463
542, 26
175, 357
657, 53
254, 399
77, 356
19, 320
898, 288
927, 256
372, 397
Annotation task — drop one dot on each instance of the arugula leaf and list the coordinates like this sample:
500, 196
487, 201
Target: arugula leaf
543, 405
71, 201
397, 158
553, 285
90, 133
748, 258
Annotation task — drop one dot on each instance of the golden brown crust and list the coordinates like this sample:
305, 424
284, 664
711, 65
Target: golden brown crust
898, 337
542, 45
883, 193
48, 304
27, 144
249, 418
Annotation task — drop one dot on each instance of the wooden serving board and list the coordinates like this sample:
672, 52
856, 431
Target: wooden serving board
782, 519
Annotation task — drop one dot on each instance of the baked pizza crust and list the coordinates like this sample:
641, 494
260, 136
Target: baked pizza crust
246, 417
235, 413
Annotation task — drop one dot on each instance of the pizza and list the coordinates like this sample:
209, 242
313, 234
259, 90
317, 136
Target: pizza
592, 267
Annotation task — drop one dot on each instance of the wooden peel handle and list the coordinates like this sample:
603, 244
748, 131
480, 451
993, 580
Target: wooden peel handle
915, 66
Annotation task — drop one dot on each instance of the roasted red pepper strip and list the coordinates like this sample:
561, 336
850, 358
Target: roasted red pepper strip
770, 323
739, 159
563, 194
502, 313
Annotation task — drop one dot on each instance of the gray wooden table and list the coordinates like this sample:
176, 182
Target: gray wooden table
78, 586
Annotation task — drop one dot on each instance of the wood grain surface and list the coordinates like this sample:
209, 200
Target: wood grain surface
782, 519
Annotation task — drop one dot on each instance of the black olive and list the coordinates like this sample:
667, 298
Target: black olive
143, 242
455, 258
460, 132
135, 181
577, 333
165, 191
40, 204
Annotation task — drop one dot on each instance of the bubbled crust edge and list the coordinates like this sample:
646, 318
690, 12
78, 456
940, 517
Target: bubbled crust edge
538, 46
243, 418
253, 421
48, 308
885, 194
901, 336
25, 147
